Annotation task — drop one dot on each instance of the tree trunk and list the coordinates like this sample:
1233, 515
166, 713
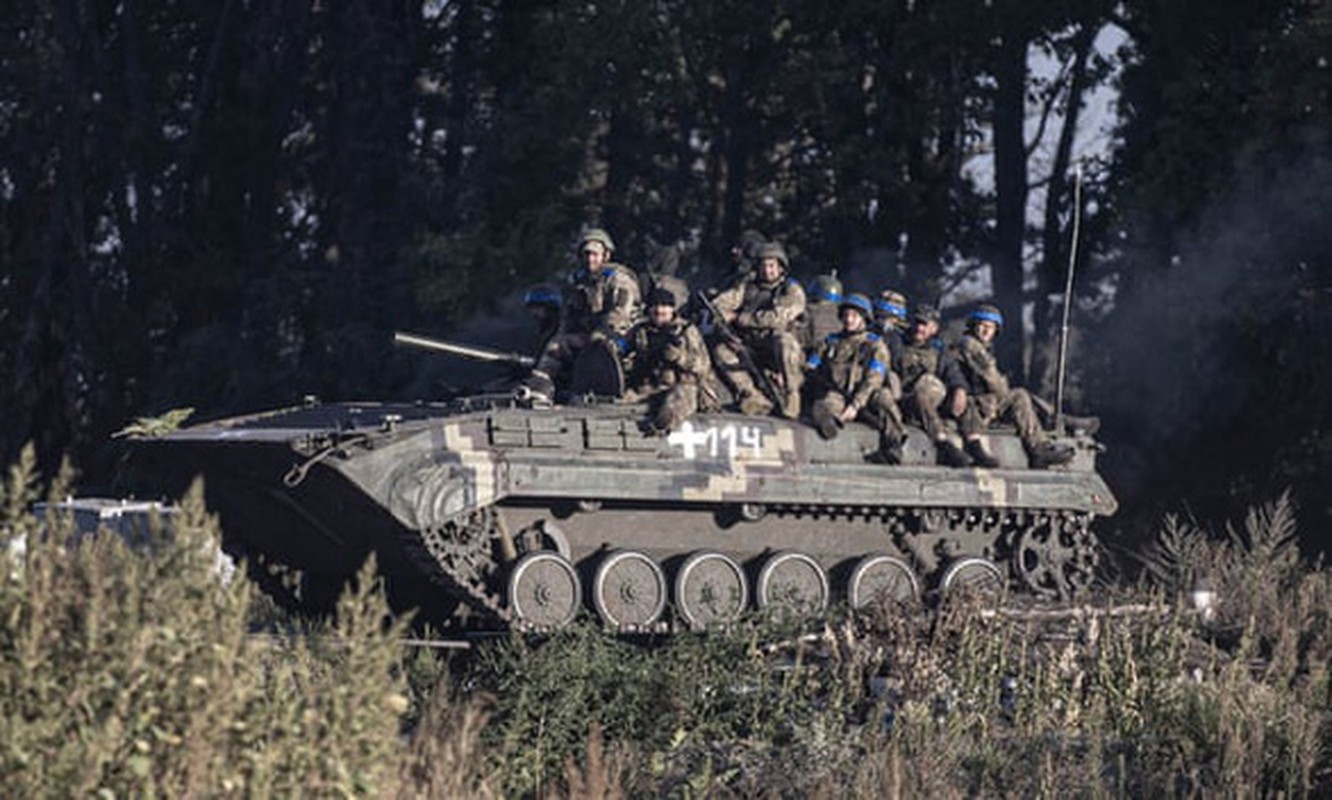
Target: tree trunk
1010, 178
461, 79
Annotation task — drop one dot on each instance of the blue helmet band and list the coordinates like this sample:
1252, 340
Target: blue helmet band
829, 295
892, 309
987, 316
542, 296
859, 302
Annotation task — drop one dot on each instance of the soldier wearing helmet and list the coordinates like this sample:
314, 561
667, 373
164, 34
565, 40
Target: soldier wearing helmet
669, 366
822, 316
920, 366
890, 321
981, 395
890, 311
765, 311
849, 376
543, 303
601, 304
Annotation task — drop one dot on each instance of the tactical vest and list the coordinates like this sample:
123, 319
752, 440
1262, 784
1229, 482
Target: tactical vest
846, 358
649, 344
916, 360
978, 366
592, 295
764, 298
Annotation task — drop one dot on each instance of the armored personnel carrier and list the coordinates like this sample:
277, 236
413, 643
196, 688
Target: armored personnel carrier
488, 514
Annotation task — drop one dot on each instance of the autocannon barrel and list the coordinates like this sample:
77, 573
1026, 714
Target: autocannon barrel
465, 350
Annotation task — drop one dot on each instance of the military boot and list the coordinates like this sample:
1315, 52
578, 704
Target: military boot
890, 448
1050, 454
824, 421
979, 455
949, 454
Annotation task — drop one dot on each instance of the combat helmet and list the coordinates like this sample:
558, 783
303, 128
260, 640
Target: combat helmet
543, 294
600, 236
826, 288
925, 313
860, 303
985, 312
891, 307
773, 250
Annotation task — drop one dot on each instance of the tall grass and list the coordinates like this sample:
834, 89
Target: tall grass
1140, 694
137, 673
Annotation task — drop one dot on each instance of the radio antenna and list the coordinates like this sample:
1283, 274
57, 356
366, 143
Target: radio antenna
1068, 299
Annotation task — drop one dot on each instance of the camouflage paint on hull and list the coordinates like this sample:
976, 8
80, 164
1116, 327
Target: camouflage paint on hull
321, 487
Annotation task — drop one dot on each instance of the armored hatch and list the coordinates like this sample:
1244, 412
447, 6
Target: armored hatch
484, 513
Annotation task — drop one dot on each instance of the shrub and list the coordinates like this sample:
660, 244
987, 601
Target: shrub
134, 672
138, 673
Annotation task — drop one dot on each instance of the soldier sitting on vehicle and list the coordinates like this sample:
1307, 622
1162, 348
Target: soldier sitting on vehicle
822, 316
890, 322
920, 367
600, 305
764, 311
890, 311
543, 303
849, 375
981, 395
669, 366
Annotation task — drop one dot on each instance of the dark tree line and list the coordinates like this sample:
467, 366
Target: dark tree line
231, 204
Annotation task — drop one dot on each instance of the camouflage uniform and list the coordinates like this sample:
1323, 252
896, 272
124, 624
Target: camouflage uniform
890, 317
989, 397
852, 369
767, 317
919, 366
671, 370
603, 304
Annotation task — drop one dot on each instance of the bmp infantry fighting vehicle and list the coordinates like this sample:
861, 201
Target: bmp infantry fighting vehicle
488, 513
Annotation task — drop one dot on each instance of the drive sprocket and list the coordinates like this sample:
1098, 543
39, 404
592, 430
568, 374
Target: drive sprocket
1056, 555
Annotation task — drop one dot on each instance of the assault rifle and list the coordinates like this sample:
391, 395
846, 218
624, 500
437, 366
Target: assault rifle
464, 350
728, 334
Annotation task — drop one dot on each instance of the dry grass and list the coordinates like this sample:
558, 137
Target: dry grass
132, 673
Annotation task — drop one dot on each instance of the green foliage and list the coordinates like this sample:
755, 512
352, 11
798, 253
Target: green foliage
695, 710
231, 207
135, 672
1140, 695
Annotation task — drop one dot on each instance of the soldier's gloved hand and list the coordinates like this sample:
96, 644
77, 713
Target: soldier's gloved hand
744, 320
849, 413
